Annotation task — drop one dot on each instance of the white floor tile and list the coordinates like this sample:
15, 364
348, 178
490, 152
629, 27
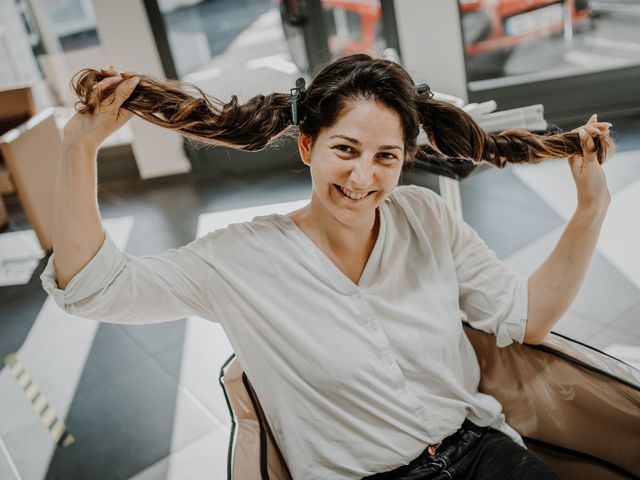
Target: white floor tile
553, 182
605, 293
20, 254
630, 321
7, 468
578, 327
204, 459
15, 410
622, 169
526, 260
30, 449
204, 350
208, 222
620, 236
618, 344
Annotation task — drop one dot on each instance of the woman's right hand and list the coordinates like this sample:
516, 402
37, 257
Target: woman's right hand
89, 130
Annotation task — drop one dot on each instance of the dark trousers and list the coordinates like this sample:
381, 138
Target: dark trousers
474, 453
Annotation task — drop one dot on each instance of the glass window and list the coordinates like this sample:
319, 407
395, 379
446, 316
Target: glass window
229, 46
63, 39
353, 26
533, 39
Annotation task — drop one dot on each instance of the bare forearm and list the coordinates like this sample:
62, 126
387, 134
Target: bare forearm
77, 226
555, 284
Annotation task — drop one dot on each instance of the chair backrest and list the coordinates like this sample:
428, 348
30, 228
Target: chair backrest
576, 407
253, 452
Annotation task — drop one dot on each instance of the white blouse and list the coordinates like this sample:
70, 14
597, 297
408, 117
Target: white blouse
353, 379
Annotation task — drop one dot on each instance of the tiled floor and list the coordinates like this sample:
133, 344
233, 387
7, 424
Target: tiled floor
144, 402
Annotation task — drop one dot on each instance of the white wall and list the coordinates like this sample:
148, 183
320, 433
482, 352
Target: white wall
431, 44
127, 42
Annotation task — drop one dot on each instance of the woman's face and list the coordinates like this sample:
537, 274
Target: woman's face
362, 154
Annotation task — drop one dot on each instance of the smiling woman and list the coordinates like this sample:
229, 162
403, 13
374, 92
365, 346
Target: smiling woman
345, 314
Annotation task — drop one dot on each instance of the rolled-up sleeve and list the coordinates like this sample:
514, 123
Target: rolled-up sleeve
117, 287
492, 298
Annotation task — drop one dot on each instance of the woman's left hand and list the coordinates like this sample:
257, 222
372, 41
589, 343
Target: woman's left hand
591, 181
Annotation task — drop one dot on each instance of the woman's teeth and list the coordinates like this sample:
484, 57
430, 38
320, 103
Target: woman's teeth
351, 195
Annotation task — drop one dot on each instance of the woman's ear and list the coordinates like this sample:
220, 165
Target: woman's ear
304, 146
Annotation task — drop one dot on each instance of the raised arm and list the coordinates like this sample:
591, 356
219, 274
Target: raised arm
554, 285
77, 227
88, 275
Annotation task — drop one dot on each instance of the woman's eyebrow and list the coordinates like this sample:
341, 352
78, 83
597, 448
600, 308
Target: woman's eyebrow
358, 143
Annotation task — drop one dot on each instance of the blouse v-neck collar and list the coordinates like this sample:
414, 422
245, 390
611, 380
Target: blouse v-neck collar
338, 275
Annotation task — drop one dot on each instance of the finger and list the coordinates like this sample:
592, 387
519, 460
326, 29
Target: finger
584, 127
588, 145
109, 71
594, 131
105, 83
124, 90
128, 74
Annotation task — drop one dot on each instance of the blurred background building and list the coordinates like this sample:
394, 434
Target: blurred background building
143, 401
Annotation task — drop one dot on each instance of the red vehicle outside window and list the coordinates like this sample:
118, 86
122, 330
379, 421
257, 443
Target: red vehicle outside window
491, 29
490, 25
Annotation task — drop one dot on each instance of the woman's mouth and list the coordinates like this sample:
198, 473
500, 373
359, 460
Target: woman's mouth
352, 196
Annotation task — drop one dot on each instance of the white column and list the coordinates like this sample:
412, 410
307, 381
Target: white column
431, 44
127, 40
17, 64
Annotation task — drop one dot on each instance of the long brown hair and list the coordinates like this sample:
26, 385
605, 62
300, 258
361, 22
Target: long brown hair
453, 135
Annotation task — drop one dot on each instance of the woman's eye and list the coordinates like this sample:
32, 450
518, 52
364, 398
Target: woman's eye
344, 148
389, 156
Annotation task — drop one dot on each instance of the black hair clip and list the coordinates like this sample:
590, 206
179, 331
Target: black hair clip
424, 88
296, 93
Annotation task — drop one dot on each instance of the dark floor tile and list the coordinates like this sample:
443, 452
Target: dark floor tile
112, 354
506, 227
504, 186
127, 424
19, 307
170, 358
156, 337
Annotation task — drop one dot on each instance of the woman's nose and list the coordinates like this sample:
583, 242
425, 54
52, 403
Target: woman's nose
361, 175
